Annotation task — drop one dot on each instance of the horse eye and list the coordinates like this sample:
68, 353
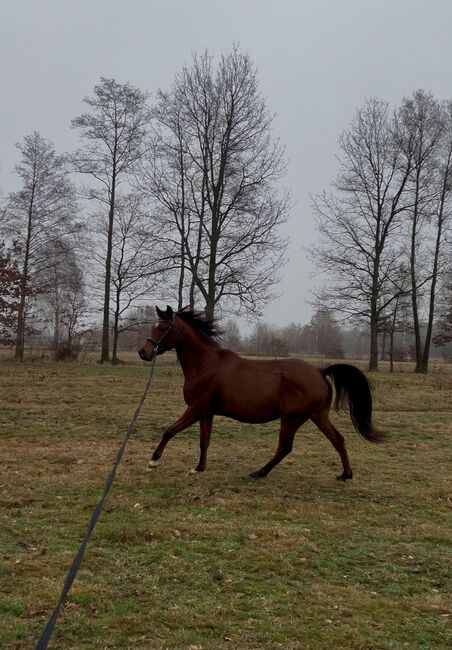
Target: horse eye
148, 340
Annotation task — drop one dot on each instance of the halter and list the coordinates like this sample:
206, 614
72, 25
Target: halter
150, 339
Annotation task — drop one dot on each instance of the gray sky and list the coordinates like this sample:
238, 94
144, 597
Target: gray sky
317, 60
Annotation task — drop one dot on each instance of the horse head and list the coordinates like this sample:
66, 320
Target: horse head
162, 337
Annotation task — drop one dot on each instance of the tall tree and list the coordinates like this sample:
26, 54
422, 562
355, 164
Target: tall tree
113, 132
214, 172
358, 220
41, 212
429, 151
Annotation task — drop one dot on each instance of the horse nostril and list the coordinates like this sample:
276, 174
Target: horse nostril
141, 352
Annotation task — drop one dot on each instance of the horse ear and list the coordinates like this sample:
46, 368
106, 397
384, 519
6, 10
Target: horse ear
169, 312
160, 313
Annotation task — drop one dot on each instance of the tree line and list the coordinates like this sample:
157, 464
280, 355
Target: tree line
322, 337
176, 197
180, 198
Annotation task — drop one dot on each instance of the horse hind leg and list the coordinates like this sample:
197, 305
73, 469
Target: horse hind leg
287, 433
323, 422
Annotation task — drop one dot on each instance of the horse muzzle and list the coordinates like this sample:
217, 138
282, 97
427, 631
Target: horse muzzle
146, 355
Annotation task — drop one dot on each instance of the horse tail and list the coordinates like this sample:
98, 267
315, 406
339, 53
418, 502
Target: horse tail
352, 387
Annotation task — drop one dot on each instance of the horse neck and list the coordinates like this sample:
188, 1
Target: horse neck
193, 348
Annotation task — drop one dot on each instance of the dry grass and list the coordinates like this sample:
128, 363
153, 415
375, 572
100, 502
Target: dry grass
217, 561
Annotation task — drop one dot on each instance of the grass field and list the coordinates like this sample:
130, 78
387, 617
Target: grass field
296, 560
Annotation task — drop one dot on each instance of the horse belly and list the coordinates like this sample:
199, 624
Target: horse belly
252, 409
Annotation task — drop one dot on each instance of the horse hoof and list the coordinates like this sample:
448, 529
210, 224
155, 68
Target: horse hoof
194, 471
344, 477
153, 464
255, 475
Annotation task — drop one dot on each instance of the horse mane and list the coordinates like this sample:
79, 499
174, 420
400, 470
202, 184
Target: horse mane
200, 321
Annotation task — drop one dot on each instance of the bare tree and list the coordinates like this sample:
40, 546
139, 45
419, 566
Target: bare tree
429, 151
114, 133
41, 212
213, 174
359, 220
63, 297
136, 263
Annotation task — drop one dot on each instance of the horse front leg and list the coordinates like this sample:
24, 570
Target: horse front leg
205, 429
189, 417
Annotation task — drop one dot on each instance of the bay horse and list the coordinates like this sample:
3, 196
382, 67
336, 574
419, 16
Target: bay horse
220, 382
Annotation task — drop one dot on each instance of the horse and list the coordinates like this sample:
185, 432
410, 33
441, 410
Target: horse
220, 382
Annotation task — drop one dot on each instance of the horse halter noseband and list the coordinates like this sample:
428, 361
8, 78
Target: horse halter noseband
156, 344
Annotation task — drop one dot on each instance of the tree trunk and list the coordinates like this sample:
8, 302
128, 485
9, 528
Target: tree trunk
20, 338
180, 298
431, 309
114, 354
414, 301
105, 353
373, 358
21, 314
211, 285
210, 307
391, 352
56, 331
383, 346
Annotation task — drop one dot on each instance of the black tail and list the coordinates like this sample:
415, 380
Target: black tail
352, 386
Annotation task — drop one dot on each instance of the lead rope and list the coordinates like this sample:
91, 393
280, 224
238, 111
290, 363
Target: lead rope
72, 572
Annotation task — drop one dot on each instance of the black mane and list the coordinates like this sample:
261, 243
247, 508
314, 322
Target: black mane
200, 321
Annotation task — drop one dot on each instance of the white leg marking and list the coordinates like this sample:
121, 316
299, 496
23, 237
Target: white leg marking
153, 464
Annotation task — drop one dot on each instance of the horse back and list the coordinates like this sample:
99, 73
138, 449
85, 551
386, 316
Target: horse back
261, 390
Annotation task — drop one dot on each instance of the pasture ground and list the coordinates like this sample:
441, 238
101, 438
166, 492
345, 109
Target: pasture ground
294, 561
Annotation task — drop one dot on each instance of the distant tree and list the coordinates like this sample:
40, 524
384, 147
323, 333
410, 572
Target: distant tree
397, 320
266, 340
41, 212
294, 336
327, 334
213, 174
231, 338
63, 298
9, 293
114, 133
444, 333
136, 326
259, 340
358, 220
355, 342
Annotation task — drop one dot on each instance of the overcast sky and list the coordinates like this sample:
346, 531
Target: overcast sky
318, 60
